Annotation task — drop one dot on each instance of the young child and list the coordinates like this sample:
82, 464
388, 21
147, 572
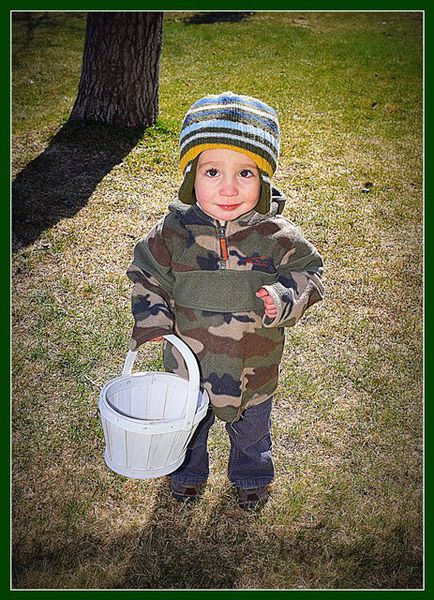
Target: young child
226, 272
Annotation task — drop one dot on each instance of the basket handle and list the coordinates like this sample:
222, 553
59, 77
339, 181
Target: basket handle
193, 375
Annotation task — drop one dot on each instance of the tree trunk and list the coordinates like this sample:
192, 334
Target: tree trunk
120, 71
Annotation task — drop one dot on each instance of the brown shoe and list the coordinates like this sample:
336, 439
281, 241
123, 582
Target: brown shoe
186, 492
252, 499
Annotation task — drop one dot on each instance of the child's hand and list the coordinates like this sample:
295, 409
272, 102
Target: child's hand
270, 307
157, 339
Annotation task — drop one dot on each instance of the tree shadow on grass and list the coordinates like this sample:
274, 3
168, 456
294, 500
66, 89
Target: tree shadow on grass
217, 17
29, 29
33, 20
59, 182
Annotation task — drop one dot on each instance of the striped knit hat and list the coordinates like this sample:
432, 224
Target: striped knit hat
233, 122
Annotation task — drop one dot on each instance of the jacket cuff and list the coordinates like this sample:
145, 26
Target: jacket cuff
276, 291
290, 305
141, 335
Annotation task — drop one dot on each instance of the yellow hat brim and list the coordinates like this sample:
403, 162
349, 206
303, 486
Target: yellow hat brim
260, 161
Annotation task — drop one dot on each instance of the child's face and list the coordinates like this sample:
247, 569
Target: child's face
227, 183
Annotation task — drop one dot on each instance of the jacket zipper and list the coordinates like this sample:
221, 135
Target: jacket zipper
223, 246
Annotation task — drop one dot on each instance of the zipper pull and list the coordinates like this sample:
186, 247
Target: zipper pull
223, 245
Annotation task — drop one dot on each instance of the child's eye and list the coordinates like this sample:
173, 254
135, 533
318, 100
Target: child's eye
211, 172
246, 173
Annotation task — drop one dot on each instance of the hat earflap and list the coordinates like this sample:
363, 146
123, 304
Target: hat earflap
264, 203
186, 192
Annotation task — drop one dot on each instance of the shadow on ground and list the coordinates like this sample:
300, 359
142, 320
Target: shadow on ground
217, 17
216, 546
180, 547
189, 554
59, 182
36, 22
33, 20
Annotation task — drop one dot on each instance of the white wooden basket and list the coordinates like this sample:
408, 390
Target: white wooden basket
148, 418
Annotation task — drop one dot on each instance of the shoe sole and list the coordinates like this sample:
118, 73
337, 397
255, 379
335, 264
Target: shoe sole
184, 499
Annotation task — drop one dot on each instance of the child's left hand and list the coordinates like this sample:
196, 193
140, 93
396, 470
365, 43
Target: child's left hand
269, 306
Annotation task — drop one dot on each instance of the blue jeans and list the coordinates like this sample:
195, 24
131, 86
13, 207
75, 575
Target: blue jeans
250, 462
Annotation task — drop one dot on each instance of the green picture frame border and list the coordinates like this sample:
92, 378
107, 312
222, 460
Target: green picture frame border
6, 370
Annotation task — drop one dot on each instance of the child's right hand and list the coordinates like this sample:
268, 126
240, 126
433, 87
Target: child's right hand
157, 339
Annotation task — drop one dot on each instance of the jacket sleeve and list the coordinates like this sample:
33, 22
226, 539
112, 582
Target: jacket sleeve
299, 284
151, 298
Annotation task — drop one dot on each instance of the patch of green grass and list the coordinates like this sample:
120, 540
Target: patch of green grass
346, 505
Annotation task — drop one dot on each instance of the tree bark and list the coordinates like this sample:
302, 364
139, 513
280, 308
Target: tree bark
120, 72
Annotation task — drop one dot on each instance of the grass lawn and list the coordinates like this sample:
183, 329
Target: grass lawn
346, 506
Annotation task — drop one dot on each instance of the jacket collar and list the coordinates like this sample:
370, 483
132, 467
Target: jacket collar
188, 212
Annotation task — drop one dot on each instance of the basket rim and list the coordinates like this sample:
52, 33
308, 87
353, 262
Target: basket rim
110, 413
142, 374
148, 426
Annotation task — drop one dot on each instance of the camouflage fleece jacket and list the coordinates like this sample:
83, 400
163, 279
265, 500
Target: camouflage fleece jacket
198, 279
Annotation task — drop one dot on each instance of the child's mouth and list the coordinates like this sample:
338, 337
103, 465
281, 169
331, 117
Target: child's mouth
229, 206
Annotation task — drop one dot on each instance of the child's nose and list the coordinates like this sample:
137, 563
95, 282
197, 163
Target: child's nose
229, 187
